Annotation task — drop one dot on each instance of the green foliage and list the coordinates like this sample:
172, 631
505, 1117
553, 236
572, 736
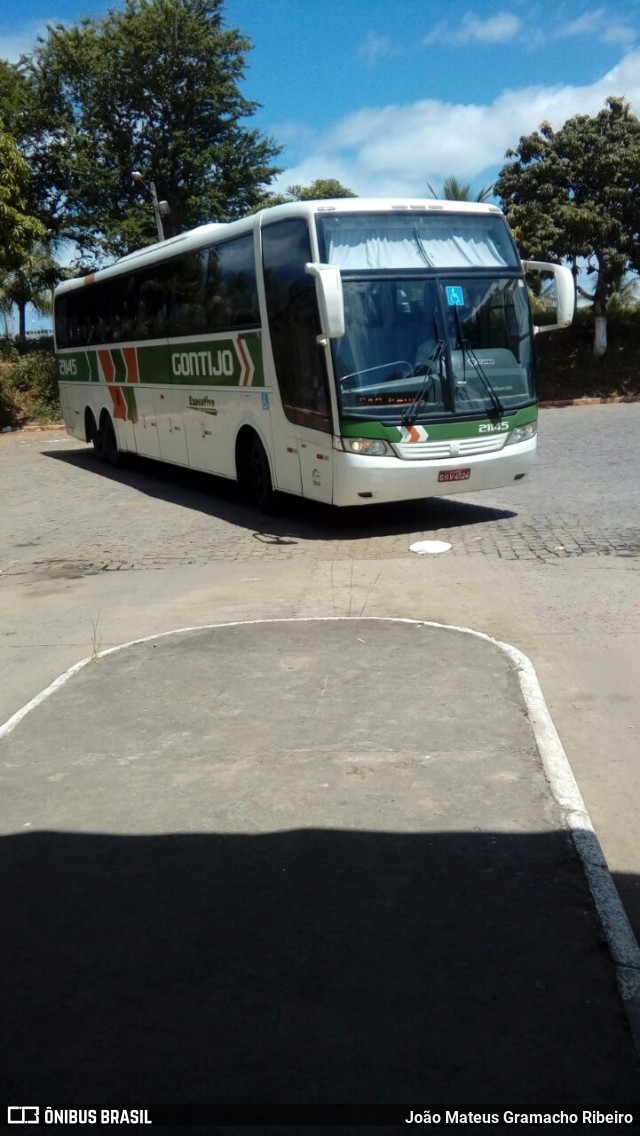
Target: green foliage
8, 407
13, 91
28, 387
575, 193
625, 304
318, 190
30, 282
18, 230
568, 369
151, 86
454, 190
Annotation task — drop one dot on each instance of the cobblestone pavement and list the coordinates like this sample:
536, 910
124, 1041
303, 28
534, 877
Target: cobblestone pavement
66, 516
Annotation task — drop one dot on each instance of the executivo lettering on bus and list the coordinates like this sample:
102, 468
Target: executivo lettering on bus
203, 402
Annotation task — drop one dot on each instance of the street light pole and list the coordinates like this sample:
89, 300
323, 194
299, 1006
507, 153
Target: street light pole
159, 207
156, 210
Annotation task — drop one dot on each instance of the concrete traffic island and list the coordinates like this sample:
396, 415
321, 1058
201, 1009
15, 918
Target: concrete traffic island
304, 862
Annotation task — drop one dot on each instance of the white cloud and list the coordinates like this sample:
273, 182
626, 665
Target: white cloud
394, 150
505, 27
500, 28
375, 47
587, 24
596, 23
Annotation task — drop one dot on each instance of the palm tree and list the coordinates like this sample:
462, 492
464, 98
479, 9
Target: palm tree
454, 190
32, 282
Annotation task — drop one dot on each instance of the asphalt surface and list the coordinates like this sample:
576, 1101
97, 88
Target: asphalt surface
303, 862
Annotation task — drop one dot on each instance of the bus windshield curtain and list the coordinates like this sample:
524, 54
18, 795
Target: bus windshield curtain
356, 244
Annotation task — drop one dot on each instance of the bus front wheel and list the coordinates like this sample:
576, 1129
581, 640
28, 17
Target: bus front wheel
259, 480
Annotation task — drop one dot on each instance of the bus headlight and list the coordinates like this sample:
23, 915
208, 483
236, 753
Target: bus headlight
522, 433
371, 447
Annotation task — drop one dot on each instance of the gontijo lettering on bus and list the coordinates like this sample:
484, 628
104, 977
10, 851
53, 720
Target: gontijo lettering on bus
197, 363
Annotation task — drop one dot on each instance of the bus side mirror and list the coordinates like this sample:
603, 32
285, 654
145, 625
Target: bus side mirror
330, 299
565, 293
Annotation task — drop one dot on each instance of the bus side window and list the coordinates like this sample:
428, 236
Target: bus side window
186, 314
152, 296
231, 294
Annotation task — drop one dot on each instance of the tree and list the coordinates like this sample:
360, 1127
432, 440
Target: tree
318, 190
575, 193
30, 282
151, 86
18, 230
454, 190
13, 90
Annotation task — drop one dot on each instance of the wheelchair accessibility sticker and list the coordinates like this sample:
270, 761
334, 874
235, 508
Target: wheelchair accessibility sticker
455, 298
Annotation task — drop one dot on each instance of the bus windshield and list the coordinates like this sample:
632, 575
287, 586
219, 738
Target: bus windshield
422, 239
416, 347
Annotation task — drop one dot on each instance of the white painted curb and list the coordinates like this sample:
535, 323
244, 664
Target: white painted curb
618, 932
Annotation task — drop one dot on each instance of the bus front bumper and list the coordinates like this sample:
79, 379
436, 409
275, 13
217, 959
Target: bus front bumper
364, 480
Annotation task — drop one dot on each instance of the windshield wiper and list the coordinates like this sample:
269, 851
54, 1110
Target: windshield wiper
467, 350
409, 416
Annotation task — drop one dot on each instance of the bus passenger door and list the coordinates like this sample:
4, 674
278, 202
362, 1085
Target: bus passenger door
298, 359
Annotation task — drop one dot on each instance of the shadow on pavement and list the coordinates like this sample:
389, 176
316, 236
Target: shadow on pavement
307, 966
219, 497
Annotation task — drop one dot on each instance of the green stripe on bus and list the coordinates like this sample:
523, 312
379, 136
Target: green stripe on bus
119, 366
132, 406
233, 362
437, 431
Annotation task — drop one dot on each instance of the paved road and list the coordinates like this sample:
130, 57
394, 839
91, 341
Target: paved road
92, 558
582, 501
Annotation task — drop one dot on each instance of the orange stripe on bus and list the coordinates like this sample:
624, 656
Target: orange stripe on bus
106, 362
119, 405
131, 363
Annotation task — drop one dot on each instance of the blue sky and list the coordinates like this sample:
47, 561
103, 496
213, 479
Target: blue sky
388, 96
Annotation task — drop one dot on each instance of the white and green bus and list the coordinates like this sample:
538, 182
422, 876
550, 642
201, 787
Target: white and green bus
351, 351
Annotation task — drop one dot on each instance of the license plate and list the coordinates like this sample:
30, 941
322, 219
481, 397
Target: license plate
454, 475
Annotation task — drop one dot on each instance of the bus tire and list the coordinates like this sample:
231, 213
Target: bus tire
112, 454
93, 434
259, 480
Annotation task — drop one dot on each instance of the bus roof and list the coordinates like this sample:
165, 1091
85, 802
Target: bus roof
205, 235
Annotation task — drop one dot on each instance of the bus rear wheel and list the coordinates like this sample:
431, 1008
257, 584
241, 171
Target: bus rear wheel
110, 452
95, 436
